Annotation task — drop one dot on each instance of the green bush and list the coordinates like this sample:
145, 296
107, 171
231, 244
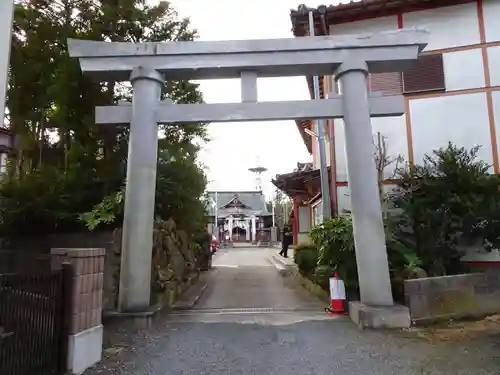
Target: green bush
47, 201
445, 203
450, 197
322, 276
335, 242
306, 258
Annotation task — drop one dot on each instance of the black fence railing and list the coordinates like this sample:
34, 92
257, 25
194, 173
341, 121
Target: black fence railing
34, 312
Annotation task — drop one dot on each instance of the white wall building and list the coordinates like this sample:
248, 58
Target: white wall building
451, 94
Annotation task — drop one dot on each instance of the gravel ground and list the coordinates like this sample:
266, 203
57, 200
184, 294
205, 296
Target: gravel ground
252, 321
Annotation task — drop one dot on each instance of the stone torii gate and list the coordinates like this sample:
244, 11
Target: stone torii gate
149, 65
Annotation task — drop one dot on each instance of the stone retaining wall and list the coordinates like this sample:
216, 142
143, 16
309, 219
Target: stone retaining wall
457, 296
174, 263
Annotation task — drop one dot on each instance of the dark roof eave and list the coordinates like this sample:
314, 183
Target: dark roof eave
307, 139
297, 177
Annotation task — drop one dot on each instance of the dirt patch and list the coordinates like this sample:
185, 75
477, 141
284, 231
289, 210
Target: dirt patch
454, 331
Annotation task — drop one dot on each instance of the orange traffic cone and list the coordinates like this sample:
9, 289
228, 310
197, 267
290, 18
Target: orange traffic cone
337, 296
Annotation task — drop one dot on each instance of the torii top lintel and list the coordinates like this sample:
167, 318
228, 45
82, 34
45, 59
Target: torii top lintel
383, 52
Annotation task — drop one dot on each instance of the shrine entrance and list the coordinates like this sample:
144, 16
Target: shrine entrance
239, 234
349, 58
239, 215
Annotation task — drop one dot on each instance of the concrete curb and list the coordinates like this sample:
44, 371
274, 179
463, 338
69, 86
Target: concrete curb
313, 288
187, 301
284, 270
192, 295
148, 313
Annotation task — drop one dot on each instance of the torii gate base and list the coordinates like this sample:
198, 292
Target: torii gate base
348, 57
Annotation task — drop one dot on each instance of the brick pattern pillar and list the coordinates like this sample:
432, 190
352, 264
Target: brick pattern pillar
88, 270
85, 329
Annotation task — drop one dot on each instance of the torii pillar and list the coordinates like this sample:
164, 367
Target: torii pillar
349, 57
138, 222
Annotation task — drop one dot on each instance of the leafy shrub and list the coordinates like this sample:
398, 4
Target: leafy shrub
335, 242
47, 201
203, 239
449, 197
106, 211
322, 275
306, 258
201, 248
448, 200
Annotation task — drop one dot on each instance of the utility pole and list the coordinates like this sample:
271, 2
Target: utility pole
323, 168
216, 215
285, 213
273, 204
6, 20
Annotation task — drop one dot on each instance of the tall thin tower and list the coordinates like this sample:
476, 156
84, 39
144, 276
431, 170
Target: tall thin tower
257, 171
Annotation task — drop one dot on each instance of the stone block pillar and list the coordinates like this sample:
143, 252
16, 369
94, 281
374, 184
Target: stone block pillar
211, 228
254, 230
85, 327
230, 226
247, 228
274, 235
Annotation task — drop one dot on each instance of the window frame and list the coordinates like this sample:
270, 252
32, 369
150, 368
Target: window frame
428, 65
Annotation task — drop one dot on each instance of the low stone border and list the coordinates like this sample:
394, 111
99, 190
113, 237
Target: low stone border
466, 296
284, 269
192, 294
313, 288
189, 294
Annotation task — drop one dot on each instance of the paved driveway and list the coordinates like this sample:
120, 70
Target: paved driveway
245, 278
252, 321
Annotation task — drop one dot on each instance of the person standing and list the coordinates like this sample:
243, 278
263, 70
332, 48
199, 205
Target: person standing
286, 241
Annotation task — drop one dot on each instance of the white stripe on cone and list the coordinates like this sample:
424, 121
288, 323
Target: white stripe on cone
337, 294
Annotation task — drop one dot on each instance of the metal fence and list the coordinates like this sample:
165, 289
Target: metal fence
34, 318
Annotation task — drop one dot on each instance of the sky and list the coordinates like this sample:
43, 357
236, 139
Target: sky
235, 147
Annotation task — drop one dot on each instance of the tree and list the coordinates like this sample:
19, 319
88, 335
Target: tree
62, 99
282, 208
279, 209
180, 185
51, 104
382, 162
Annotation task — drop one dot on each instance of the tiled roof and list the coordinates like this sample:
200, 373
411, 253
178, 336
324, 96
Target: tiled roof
354, 10
255, 200
304, 167
295, 182
300, 16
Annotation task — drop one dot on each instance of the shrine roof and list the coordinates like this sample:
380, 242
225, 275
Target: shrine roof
252, 203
